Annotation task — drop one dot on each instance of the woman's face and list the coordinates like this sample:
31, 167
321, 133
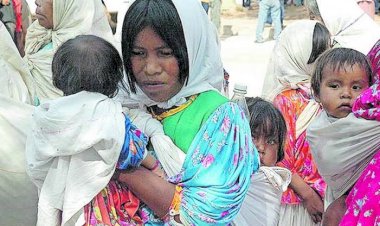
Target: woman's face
154, 66
44, 13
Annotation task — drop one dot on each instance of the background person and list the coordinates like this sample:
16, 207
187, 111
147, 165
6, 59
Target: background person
287, 84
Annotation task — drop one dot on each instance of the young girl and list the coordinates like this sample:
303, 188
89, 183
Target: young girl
263, 201
336, 137
76, 140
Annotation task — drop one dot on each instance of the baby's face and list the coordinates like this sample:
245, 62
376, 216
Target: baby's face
267, 149
340, 88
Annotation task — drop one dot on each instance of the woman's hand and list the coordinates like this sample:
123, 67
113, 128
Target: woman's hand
314, 205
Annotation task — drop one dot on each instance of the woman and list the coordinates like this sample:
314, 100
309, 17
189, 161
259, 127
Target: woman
171, 57
287, 84
58, 21
349, 26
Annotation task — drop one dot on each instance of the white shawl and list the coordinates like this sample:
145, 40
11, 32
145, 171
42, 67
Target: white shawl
72, 152
342, 148
70, 18
12, 69
349, 25
262, 204
203, 49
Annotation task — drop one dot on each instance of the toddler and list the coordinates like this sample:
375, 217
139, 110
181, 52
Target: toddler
262, 203
77, 140
336, 136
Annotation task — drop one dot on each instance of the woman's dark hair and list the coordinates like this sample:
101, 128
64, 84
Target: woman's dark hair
266, 120
163, 18
321, 41
338, 59
87, 63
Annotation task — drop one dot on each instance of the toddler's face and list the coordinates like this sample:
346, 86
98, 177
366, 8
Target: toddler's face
340, 88
267, 149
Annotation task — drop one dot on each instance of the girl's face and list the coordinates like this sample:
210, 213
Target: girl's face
340, 88
44, 13
154, 66
267, 148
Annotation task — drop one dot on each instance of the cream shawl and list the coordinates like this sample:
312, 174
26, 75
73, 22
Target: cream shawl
13, 69
349, 25
70, 18
72, 151
342, 148
262, 203
203, 49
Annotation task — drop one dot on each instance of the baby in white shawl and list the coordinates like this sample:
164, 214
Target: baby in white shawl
338, 140
262, 203
78, 140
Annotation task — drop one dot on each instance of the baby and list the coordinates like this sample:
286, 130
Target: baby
340, 76
78, 140
262, 203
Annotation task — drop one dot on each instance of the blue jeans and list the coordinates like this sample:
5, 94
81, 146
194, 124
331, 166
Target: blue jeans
299, 2
269, 18
274, 8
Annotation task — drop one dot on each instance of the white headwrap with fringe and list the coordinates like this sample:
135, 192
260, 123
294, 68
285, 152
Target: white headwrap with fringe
203, 49
70, 18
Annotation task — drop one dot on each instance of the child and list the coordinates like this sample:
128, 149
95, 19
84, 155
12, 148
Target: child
268, 130
77, 140
336, 136
263, 201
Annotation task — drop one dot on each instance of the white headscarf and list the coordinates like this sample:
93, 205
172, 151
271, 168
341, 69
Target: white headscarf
70, 18
203, 49
349, 25
288, 67
13, 69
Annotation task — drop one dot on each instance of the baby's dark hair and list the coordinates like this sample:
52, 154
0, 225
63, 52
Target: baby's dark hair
163, 18
267, 120
338, 59
88, 63
321, 41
